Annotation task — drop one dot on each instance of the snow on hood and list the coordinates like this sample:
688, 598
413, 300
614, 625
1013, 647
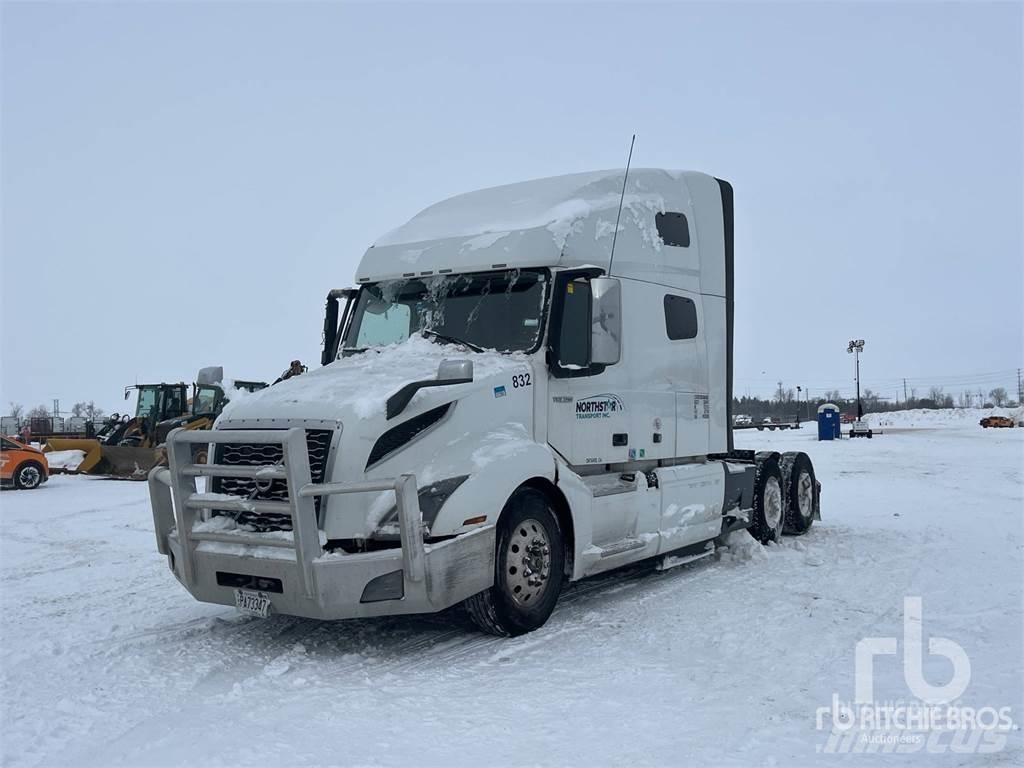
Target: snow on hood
360, 385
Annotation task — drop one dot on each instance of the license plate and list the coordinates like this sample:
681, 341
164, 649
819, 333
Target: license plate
252, 603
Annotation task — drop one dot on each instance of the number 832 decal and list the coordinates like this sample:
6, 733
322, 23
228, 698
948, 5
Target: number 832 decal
521, 380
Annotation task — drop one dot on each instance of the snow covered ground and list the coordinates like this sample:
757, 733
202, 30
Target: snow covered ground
106, 661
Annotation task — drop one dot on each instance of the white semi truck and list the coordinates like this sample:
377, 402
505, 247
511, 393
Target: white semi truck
523, 391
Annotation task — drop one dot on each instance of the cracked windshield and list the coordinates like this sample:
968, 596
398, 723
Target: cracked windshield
483, 310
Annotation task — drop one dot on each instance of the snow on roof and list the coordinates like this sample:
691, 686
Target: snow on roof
524, 205
561, 221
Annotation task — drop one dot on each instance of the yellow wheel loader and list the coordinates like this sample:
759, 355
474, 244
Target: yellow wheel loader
130, 446
125, 446
208, 400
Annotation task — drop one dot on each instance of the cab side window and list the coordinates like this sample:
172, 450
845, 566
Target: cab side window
574, 334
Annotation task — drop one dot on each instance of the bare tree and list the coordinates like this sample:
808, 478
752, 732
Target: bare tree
17, 409
89, 410
936, 395
871, 398
39, 412
999, 396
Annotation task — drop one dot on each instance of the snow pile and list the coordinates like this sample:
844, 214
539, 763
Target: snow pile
361, 384
66, 460
935, 417
740, 546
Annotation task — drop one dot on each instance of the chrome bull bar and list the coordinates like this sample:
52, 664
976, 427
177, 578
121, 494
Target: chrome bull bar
176, 500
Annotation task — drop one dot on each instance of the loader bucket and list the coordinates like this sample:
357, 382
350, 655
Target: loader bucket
127, 461
90, 447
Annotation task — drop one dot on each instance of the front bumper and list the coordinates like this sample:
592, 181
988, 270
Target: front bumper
304, 580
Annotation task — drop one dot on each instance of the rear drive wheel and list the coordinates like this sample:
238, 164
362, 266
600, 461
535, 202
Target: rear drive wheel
28, 475
769, 513
801, 497
529, 563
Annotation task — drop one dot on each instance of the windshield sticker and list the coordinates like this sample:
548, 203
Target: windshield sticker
499, 391
598, 407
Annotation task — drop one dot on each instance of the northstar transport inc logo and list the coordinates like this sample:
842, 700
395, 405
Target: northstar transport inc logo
932, 720
598, 406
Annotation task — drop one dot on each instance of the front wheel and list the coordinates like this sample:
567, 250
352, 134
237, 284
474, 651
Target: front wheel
28, 476
529, 563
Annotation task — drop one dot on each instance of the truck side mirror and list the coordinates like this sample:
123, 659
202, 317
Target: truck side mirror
605, 320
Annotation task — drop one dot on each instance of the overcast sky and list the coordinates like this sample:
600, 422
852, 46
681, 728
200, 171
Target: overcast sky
182, 184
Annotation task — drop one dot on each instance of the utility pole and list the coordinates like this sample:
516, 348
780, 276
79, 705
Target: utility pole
856, 346
906, 401
1020, 389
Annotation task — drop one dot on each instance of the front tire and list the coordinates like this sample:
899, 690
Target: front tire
28, 475
769, 511
528, 568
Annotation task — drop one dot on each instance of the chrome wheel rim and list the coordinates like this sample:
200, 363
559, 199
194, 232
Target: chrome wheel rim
772, 503
29, 477
805, 495
527, 563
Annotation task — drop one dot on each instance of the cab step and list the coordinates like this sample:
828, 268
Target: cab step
685, 555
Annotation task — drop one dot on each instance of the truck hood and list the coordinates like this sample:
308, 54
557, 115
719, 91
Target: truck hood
358, 387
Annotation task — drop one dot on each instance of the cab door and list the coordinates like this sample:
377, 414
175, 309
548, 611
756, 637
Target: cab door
686, 347
586, 415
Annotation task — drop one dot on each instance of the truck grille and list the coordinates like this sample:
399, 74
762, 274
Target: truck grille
318, 442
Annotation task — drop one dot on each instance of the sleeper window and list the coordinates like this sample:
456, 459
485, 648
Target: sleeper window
680, 318
673, 228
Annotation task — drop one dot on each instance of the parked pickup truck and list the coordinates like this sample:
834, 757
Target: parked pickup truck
519, 394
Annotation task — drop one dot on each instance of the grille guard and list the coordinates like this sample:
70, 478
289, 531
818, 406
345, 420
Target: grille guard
176, 501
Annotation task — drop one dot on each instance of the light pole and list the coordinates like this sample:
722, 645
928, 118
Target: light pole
799, 389
856, 346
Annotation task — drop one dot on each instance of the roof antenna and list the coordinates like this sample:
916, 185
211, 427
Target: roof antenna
615, 234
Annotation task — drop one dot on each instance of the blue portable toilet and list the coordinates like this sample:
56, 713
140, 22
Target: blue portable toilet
828, 422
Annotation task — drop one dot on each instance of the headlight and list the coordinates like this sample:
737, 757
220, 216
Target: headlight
432, 497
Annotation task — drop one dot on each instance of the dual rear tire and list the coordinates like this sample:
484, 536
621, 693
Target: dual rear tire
785, 496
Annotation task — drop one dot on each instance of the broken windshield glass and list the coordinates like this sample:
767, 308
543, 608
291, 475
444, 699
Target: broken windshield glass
488, 310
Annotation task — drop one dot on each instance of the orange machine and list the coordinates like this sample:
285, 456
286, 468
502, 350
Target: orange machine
21, 465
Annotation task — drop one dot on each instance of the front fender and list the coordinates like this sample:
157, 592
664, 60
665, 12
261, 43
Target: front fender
497, 464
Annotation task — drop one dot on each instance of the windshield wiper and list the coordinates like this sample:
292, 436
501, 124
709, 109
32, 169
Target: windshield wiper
452, 339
